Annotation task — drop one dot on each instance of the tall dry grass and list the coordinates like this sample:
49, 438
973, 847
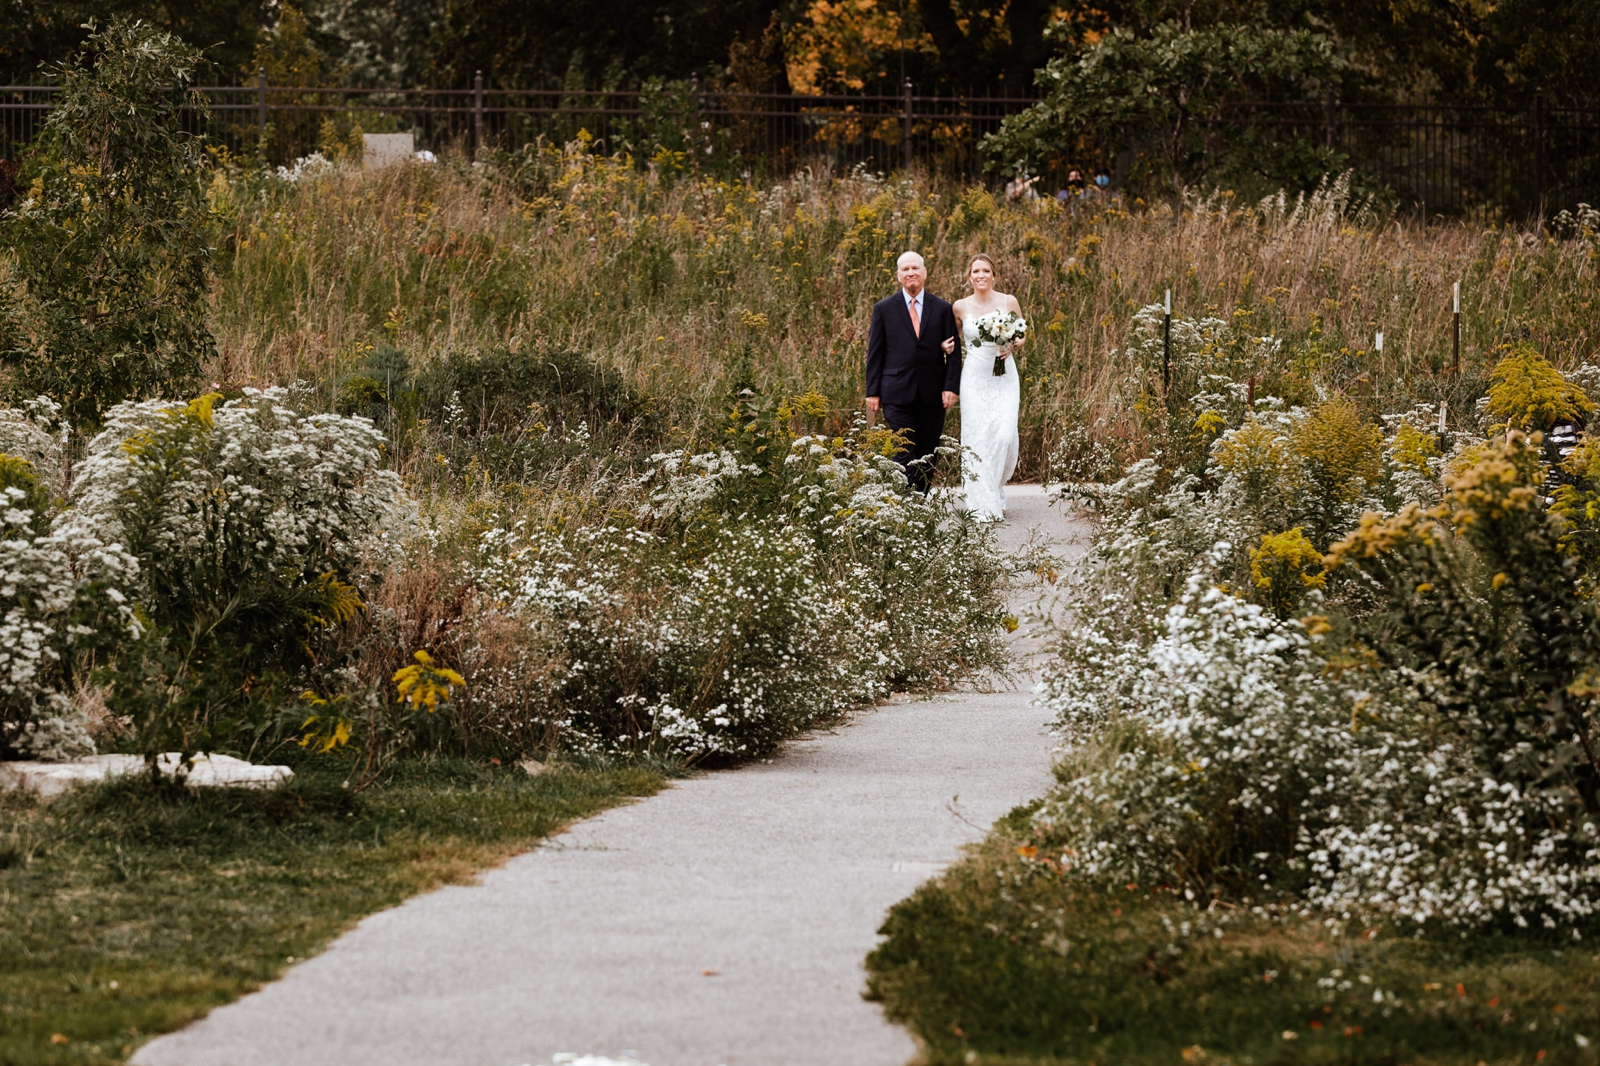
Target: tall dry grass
689, 285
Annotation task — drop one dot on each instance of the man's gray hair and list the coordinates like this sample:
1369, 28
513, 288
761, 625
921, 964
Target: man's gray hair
909, 257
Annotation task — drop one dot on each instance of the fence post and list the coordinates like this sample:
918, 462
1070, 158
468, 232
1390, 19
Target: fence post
261, 105
477, 112
905, 136
1538, 154
1327, 120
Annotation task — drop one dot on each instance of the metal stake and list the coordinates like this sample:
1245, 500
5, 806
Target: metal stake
1455, 348
1166, 351
261, 106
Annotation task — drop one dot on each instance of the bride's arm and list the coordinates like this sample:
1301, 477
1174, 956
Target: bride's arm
1013, 305
950, 344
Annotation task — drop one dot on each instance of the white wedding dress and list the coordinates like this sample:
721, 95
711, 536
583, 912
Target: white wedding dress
988, 424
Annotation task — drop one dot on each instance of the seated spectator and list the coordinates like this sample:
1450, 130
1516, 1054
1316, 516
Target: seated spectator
1021, 187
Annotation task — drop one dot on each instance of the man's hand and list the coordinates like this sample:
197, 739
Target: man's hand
950, 400
872, 404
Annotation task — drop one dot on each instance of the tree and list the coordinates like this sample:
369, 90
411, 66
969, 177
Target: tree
1168, 94
531, 43
45, 32
110, 246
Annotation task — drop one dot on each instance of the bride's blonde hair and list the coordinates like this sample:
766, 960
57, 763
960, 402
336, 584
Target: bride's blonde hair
980, 257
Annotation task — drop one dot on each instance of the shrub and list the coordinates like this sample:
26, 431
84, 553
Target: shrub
742, 602
61, 598
1529, 394
1423, 751
495, 389
112, 248
1283, 568
1485, 624
251, 519
1224, 733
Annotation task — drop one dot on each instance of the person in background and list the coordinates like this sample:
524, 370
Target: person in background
1099, 190
1070, 194
1021, 187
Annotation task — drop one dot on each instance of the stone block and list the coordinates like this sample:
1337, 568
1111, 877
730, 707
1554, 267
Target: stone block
379, 150
50, 779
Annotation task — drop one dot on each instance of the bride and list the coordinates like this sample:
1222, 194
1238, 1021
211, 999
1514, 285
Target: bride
989, 401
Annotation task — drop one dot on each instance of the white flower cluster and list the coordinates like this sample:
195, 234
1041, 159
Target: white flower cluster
248, 489
729, 648
314, 165
35, 432
58, 592
1001, 328
256, 484
1213, 745
749, 603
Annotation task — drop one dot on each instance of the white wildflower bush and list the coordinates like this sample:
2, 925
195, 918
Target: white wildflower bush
250, 518
1418, 745
61, 596
1226, 733
745, 601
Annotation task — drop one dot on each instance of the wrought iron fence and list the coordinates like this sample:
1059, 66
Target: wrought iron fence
1457, 160
1511, 162
770, 132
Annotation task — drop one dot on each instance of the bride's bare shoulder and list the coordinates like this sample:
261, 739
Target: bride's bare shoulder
1009, 302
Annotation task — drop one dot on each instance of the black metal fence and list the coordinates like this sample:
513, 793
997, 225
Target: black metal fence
1456, 160
770, 132
1512, 162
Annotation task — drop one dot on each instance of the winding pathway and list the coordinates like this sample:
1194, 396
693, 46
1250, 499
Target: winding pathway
720, 923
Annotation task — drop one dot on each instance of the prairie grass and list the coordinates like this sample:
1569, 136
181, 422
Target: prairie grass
687, 285
131, 911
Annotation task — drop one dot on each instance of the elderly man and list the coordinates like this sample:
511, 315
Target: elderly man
914, 366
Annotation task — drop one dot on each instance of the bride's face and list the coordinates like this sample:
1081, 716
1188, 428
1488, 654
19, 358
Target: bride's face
982, 277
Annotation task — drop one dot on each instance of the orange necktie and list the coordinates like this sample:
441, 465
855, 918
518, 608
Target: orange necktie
916, 319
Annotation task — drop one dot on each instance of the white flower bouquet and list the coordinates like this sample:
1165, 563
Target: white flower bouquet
1003, 329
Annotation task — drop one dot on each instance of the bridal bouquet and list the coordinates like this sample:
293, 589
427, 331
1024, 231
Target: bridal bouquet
1001, 328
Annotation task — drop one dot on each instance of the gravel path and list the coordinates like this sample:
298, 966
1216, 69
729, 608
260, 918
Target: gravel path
719, 923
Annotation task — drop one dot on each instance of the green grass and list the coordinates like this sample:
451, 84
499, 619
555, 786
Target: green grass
127, 911
1003, 962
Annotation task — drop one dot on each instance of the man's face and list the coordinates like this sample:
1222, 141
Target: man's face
912, 277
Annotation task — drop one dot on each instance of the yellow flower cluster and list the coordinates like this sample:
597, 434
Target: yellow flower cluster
1529, 393
423, 685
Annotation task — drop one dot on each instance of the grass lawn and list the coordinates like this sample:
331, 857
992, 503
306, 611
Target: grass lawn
126, 912
1002, 962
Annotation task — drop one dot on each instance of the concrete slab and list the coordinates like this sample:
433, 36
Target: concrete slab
50, 779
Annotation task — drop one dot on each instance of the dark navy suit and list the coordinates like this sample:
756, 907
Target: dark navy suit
910, 374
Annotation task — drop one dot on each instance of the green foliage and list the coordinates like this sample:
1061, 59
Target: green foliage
111, 246
754, 591
495, 390
288, 56
1578, 503
1168, 90
1341, 454
1528, 393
